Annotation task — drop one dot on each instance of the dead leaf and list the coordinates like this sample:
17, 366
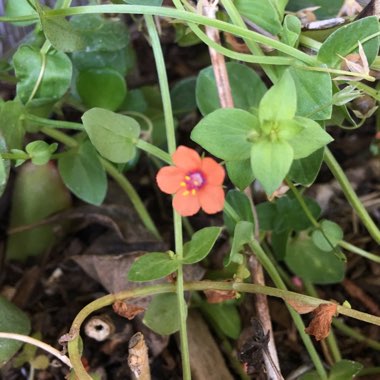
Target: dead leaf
300, 307
356, 63
126, 310
217, 296
320, 325
350, 8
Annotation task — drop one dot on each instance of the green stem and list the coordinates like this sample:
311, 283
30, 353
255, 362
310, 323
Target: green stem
331, 341
271, 270
259, 59
361, 252
74, 345
177, 220
368, 90
14, 156
154, 151
180, 15
343, 328
133, 196
343, 244
351, 195
54, 123
302, 203
252, 45
116, 175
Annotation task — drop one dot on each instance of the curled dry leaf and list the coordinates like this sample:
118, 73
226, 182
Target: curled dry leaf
127, 310
217, 296
300, 307
321, 323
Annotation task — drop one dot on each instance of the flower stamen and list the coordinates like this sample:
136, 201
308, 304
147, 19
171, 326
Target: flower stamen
194, 181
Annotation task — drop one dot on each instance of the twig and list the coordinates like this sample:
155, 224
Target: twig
138, 359
209, 8
35, 342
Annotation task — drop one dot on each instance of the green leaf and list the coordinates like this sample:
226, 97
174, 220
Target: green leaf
183, 96
40, 151
286, 214
262, 13
200, 244
27, 62
283, 94
305, 170
310, 263
38, 193
61, 34
271, 161
279, 242
103, 88
11, 125
240, 173
328, 236
310, 139
344, 41
241, 205
152, 266
290, 214
101, 33
224, 133
267, 214
247, 88
225, 316
12, 320
162, 315
345, 370
19, 8
243, 234
113, 135
118, 60
314, 93
83, 173
291, 30
328, 8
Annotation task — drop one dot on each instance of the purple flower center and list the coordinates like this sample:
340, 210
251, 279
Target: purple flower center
195, 180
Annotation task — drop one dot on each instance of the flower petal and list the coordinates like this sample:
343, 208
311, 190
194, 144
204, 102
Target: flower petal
186, 158
213, 171
169, 178
186, 205
211, 199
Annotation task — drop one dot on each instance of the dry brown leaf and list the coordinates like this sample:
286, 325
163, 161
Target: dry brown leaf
320, 325
217, 296
126, 310
300, 307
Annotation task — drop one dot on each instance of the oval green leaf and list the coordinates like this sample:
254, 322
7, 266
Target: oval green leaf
310, 263
27, 62
240, 173
104, 88
152, 266
113, 135
200, 244
162, 315
271, 161
38, 193
83, 173
225, 316
328, 236
225, 132
12, 320
344, 41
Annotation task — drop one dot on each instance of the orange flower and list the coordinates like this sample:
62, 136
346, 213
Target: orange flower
195, 182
